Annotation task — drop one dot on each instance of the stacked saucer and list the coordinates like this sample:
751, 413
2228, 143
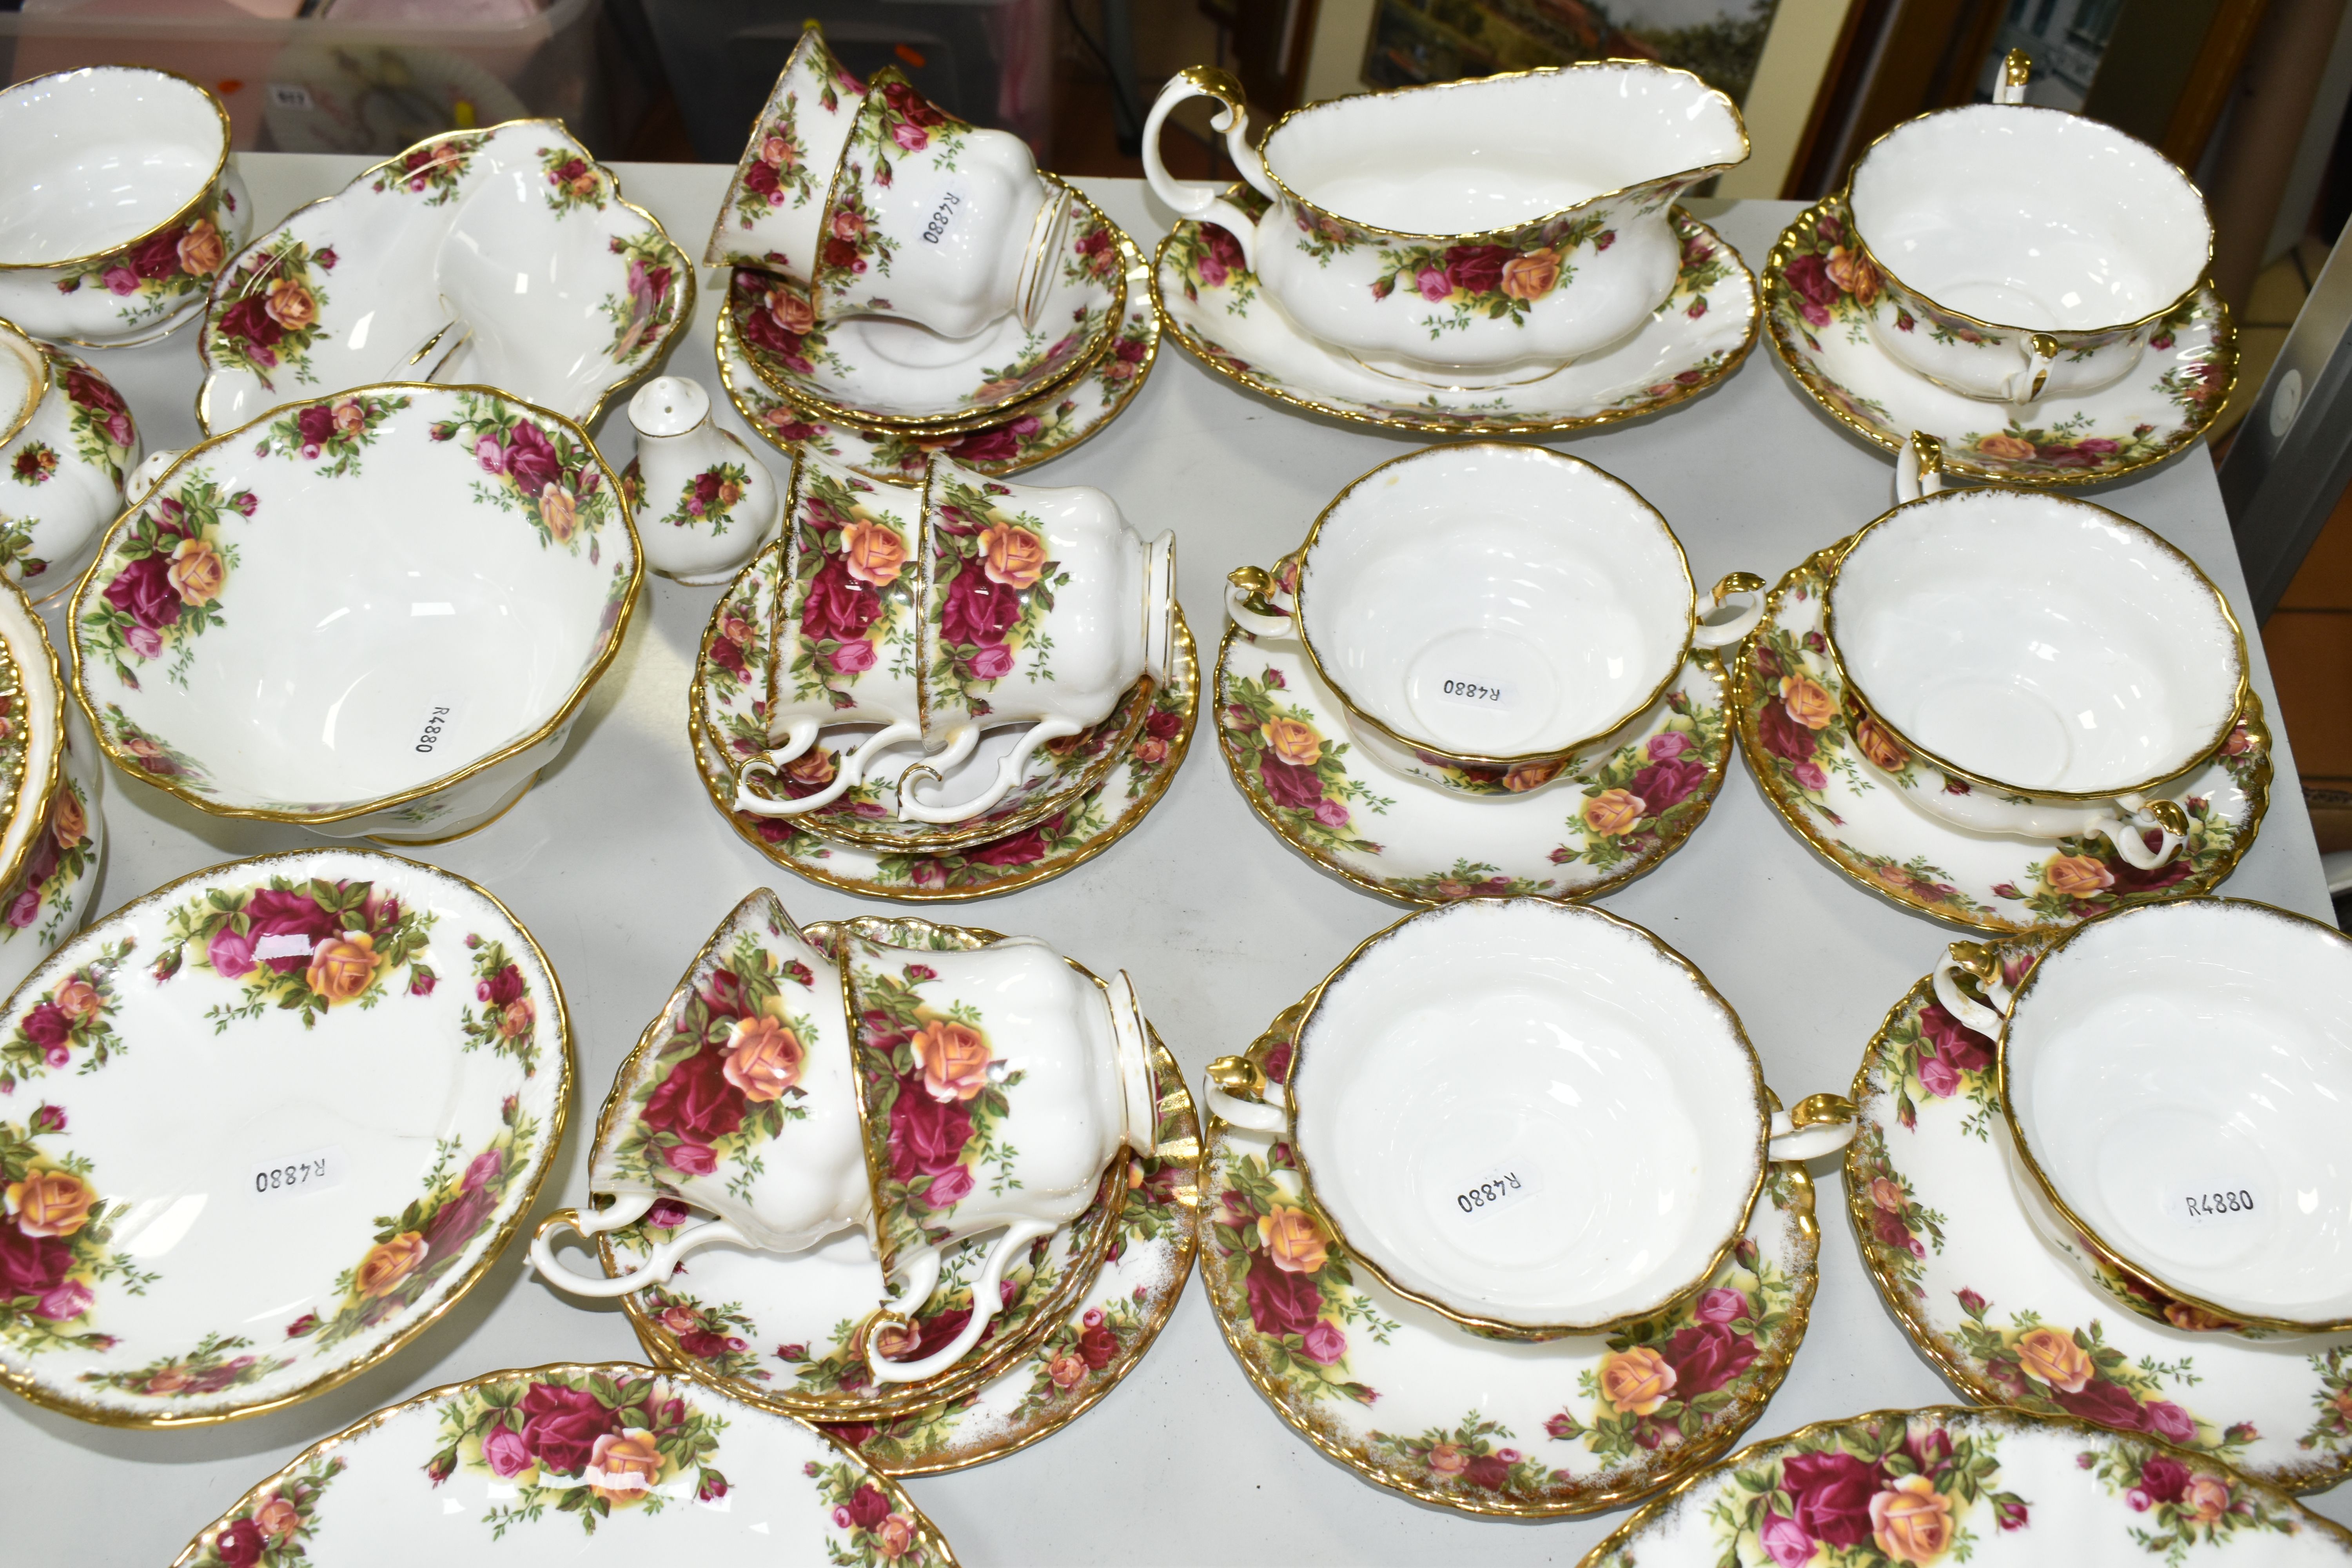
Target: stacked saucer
903, 282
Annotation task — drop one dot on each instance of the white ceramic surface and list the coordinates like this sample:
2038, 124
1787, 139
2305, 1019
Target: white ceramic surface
704, 500
379, 621
773, 213
66, 439
1476, 232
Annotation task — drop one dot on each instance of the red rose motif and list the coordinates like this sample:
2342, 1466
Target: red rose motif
1706, 1356
1810, 277
144, 591
1832, 1494
1783, 736
1487, 1470
728, 655
868, 1506
1298, 788
1958, 1044
456, 1223
696, 1101
1476, 268
1021, 849
1281, 1302
2164, 1478
704, 1345
760, 177
561, 1426
932, 1335
2107, 1404
270, 913
31, 1265
239, 1544
248, 321
927, 1136
1667, 784
316, 424
838, 606
47, 1025
976, 610
531, 458
158, 257
1163, 725
501, 988
1097, 1346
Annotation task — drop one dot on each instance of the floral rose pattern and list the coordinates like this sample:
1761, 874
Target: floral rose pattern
42, 894
706, 500
878, 1528
775, 173
155, 276
56, 1240
210, 1368
165, 579
507, 1023
776, 326
575, 182
894, 122
994, 585
275, 1531
547, 474
652, 291
304, 947
852, 604
434, 168
330, 434
2183, 1503
151, 755
579, 1441
266, 318
70, 1024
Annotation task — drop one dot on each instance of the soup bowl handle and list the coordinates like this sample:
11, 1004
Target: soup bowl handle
1256, 605
1816, 1125
659, 1264
1738, 607
1981, 963
2127, 834
1239, 1091
1202, 199
1918, 468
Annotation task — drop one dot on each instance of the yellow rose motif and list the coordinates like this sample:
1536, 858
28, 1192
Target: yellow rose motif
872, 554
290, 305
1807, 703
515, 1018
812, 768
388, 1263
1637, 1381
197, 572
1851, 271
776, 152
791, 311
1011, 556
764, 1059
200, 249
2195, 1320
2076, 876
954, 1058
51, 1203
1532, 276
1614, 812
1449, 1459
896, 1341
343, 966
278, 1518
1911, 1520
349, 417
68, 822
1878, 746
1067, 1370
2001, 444
2207, 1498
558, 512
1531, 775
167, 1380
1886, 1195
77, 999
2051, 1355
623, 1468
1294, 1242
1293, 741
896, 1534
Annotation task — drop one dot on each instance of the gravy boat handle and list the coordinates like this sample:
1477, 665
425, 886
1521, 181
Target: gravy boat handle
1816, 1125
1201, 199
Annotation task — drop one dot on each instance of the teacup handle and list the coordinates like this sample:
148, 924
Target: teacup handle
2016, 70
845, 778
1816, 1125
1741, 595
658, 1265
1008, 774
1201, 199
2041, 353
1920, 468
987, 1299
1981, 963
2128, 833
1256, 605
1238, 1090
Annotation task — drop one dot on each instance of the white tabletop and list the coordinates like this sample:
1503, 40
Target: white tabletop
620, 867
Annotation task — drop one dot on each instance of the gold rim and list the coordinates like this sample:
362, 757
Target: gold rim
899, 1501
1046, 870
1771, 1367
1744, 695
682, 287
1474, 759
1622, 1537
2104, 1253
24, 1384
1832, 562
1622, 67
1213, 359
562, 715
44, 377
1775, 288
203, 192
23, 663
1499, 1329
1253, 793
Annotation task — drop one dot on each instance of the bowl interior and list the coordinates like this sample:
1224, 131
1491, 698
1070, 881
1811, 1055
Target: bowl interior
1471, 156
100, 156
2038, 641
369, 630
2179, 1074
2031, 217
1528, 1111
1495, 600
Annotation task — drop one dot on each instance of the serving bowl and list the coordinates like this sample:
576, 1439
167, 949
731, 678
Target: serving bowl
52, 830
375, 614
66, 441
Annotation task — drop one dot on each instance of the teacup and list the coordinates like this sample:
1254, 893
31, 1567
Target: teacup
1487, 612
1533, 1117
66, 439
2171, 1080
118, 204
773, 215
942, 612
2025, 663
977, 1092
2022, 252
1475, 232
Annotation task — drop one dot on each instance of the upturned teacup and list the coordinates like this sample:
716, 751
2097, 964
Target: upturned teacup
118, 202
2025, 663
775, 211
1476, 232
2013, 253
1488, 612
2171, 1080
1533, 1117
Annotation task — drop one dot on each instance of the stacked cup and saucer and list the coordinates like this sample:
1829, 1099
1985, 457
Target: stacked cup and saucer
902, 282
917, 1168
1486, 672
1497, 255
2027, 286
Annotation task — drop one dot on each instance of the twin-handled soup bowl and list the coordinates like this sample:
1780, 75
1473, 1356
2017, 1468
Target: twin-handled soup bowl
375, 614
2013, 253
1466, 232
1533, 1117
2171, 1081
118, 204
1486, 613
2026, 663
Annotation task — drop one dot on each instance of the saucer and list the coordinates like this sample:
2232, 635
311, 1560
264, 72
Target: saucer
870, 370
2008, 1322
1409, 1401
1047, 425
1696, 338
1089, 825
1990, 881
1064, 1365
1418, 844
1996, 1486
646, 1465
1819, 329
363, 1059
729, 697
